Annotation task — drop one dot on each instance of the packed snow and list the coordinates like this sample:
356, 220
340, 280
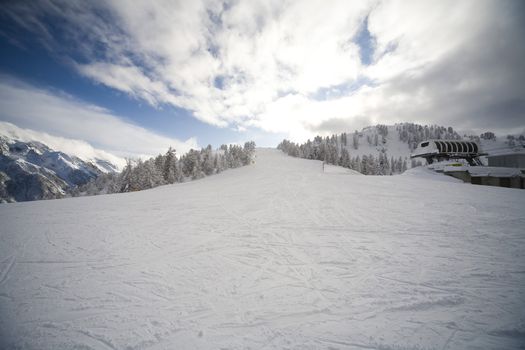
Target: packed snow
274, 255
335, 169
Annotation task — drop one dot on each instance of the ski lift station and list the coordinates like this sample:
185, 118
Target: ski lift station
439, 150
504, 170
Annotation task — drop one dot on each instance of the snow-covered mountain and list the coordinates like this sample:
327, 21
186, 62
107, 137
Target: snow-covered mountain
30, 169
400, 140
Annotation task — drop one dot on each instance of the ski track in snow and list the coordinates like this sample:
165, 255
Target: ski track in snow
274, 255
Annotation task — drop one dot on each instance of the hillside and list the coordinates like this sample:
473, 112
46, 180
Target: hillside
278, 254
401, 139
386, 149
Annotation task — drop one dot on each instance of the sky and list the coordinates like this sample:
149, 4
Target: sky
133, 78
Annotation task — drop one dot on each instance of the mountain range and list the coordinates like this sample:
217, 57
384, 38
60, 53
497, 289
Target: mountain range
31, 170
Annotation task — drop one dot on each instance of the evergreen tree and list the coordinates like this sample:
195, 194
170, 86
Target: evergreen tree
355, 141
159, 163
357, 165
399, 165
169, 172
364, 165
207, 161
125, 180
345, 158
249, 152
216, 164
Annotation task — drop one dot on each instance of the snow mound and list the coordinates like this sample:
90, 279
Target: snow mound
423, 172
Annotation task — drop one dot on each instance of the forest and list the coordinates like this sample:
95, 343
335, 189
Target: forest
168, 168
337, 148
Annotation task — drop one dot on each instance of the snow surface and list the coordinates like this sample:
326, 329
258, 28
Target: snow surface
269, 256
335, 169
425, 172
393, 147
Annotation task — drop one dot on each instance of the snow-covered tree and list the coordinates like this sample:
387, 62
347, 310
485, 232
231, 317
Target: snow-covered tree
170, 173
167, 169
355, 140
191, 165
207, 161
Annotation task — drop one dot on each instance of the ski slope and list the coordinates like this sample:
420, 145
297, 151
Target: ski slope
276, 255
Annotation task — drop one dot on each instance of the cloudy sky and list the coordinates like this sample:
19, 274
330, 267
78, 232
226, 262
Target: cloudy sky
136, 77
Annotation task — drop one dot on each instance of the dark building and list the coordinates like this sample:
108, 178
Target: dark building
508, 160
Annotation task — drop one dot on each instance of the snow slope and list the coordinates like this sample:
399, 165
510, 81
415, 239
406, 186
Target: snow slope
335, 169
393, 146
269, 256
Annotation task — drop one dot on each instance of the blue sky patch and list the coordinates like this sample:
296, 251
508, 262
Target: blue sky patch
366, 43
341, 90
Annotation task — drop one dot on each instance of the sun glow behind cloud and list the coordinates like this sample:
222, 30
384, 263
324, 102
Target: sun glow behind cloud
299, 67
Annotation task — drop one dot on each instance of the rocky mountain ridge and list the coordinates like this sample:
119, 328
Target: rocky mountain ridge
31, 170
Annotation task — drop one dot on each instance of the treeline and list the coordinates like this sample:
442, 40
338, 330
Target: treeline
329, 150
169, 168
334, 149
413, 134
409, 133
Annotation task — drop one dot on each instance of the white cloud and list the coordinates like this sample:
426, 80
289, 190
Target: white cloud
261, 63
129, 79
58, 114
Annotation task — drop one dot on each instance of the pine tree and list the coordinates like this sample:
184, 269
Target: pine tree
216, 164
249, 152
357, 165
399, 165
150, 176
355, 141
207, 161
125, 178
169, 172
191, 165
364, 165
345, 158
373, 167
